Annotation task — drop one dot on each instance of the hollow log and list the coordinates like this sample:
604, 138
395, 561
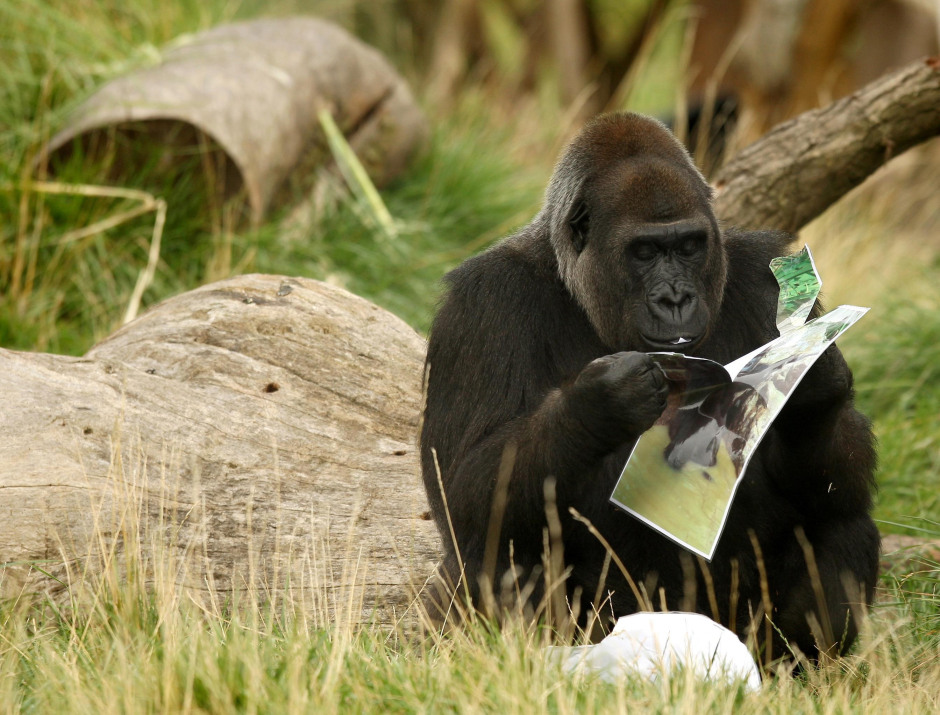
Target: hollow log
255, 88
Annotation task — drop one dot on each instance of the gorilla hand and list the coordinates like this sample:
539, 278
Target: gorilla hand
620, 396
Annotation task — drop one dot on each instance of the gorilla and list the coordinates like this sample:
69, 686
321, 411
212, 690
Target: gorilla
538, 385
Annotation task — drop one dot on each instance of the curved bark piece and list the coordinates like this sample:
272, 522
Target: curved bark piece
260, 430
799, 169
255, 89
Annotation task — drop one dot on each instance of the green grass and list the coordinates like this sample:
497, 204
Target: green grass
895, 350
450, 204
453, 202
58, 292
897, 368
127, 646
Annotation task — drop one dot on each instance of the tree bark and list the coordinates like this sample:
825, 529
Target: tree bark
805, 165
456, 31
567, 25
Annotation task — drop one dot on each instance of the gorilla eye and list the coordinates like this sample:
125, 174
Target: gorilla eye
691, 246
643, 250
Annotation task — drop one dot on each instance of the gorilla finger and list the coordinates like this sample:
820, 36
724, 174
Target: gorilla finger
631, 364
659, 377
595, 369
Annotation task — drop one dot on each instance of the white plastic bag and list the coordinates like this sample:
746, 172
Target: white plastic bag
656, 645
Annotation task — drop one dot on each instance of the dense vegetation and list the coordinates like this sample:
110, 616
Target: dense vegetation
130, 646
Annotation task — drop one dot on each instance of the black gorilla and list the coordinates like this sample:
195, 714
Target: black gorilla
536, 362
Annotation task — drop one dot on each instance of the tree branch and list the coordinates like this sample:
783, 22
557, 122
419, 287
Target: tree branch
805, 165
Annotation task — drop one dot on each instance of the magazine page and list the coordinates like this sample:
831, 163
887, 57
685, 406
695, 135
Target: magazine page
799, 283
681, 475
683, 472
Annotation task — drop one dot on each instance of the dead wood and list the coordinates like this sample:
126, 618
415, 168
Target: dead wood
260, 430
254, 89
799, 169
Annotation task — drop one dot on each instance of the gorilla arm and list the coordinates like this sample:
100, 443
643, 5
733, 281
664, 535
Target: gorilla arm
826, 458
827, 442
514, 361
817, 463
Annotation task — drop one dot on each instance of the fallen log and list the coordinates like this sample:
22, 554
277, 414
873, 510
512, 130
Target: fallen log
257, 432
255, 89
803, 166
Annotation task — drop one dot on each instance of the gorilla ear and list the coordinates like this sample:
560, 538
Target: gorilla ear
579, 220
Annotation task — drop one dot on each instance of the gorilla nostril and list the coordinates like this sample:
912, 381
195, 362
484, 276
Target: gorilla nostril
671, 299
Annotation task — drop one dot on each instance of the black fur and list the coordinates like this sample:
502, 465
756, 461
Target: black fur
539, 344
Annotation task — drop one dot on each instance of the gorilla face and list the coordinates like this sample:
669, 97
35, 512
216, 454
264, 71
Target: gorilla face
640, 248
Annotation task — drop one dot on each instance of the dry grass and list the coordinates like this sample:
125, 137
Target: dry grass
883, 239
125, 634
134, 643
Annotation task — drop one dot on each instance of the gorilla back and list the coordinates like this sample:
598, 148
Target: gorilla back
539, 385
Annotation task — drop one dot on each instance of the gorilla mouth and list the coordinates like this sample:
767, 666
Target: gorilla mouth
680, 343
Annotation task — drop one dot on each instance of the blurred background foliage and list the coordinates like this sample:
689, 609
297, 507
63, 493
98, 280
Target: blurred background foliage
504, 84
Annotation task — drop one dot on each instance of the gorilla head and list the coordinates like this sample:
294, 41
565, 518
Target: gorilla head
637, 243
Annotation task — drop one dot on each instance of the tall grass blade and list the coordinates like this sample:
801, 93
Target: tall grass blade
356, 177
